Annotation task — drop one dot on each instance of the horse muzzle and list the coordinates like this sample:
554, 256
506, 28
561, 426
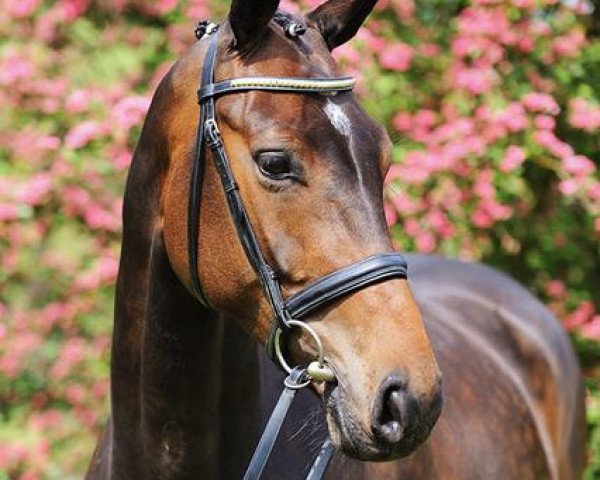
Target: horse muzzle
399, 421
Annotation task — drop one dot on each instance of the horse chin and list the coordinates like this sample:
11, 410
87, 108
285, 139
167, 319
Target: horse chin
349, 437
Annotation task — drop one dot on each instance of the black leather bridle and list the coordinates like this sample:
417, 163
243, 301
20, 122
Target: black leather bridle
314, 296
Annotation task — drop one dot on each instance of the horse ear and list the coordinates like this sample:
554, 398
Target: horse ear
249, 20
339, 20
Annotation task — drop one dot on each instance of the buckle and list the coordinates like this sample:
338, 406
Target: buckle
213, 135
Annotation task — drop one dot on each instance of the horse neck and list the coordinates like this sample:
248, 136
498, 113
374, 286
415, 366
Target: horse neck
180, 373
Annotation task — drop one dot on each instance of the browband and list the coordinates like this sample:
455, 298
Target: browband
277, 84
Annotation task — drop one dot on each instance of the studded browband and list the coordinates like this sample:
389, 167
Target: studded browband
324, 290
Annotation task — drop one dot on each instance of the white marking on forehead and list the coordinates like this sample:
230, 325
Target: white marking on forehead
338, 118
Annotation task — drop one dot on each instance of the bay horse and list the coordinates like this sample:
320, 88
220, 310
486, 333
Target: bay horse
190, 387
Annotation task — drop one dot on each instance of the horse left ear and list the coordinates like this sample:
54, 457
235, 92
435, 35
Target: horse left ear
249, 20
339, 20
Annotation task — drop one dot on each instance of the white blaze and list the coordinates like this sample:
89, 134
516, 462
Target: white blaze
338, 118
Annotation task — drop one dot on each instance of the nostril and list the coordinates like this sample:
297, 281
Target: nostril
394, 411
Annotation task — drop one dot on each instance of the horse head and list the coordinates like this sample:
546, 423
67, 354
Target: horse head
310, 170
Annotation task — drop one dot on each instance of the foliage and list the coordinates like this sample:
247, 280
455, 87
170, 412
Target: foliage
492, 106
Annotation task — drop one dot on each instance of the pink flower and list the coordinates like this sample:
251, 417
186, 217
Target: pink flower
513, 117
594, 191
402, 121
82, 134
412, 227
72, 353
583, 115
73, 9
8, 212
22, 8
33, 192
513, 157
96, 217
452, 152
591, 329
52, 314
569, 45
130, 111
581, 315
107, 269
462, 46
429, 49
484, 187
405, 9
78, 101
541, 102
525, 4
578, 165
425, 242
376, 43
473, 79
405, 204
481, 218
476, 20
525, 44
581, 7
439, 223
556, 288
413, 169
347, 53
496, 210
568, 187
397, 57
48, 142
425, 118
121, 159
165, 6
545, 122
14, 68
555, 146
597, 225
75, 394
390, 214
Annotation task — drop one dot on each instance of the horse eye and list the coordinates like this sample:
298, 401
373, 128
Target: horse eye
275, 165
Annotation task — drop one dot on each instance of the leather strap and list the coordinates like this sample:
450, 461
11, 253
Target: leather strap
196, 179
345, 281
322, 461
295, 381
277, 84
212, 136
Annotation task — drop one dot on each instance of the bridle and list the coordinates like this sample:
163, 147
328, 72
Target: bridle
290, 311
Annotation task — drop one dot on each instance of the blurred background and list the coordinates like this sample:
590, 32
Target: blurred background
493, 107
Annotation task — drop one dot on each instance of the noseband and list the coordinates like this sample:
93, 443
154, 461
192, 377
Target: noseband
288, 312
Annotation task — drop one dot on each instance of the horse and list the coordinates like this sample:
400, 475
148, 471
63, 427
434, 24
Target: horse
191, 386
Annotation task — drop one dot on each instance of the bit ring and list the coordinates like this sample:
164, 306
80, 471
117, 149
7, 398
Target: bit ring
307, 328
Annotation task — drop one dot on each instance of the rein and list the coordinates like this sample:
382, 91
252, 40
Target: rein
287, 312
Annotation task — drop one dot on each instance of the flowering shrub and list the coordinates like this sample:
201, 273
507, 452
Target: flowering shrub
495, 115
75, 82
